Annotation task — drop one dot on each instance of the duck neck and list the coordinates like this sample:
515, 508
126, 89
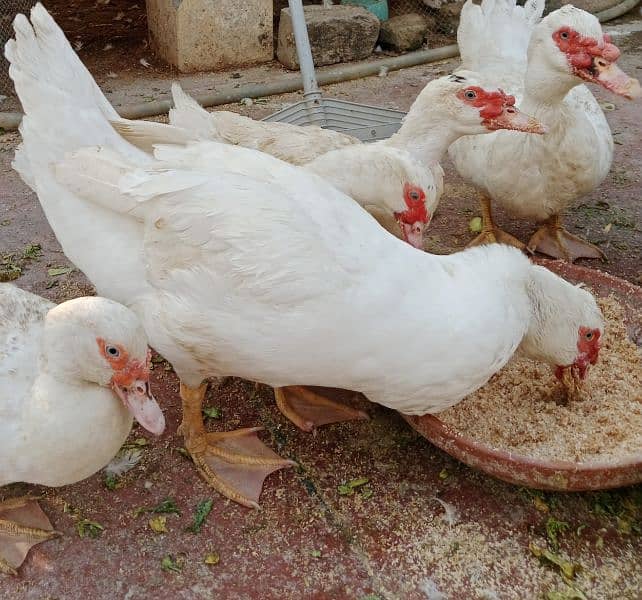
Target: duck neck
545, 87
425, 135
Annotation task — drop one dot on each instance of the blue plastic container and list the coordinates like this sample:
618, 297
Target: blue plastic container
378, 8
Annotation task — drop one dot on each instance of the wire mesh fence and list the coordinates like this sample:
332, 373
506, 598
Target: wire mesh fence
8, 10
441, 16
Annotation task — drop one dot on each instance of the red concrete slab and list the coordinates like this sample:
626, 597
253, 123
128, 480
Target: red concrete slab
293, 545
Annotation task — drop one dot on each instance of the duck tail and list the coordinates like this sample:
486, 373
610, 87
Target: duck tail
496, 32
191, 116
64, 107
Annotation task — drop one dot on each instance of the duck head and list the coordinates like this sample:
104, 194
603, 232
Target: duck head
465, 105
566, 326
414, 217
577, 48
99, 341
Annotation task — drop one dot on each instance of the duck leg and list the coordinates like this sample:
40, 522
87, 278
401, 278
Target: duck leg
308, 409
553, 240
234, 463
22, 525
490, 233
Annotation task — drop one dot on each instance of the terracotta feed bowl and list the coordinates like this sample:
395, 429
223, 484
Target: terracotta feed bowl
542, 474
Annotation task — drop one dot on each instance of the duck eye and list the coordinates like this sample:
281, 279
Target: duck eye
414, 195
470, 94
564, 35
589, 336
112, 351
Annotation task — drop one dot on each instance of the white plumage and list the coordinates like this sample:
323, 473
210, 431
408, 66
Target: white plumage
241, 264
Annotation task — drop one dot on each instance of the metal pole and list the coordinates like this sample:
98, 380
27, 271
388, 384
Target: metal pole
306, 64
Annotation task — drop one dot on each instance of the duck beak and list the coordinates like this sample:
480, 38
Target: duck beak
515, 120
138, 399
610, 76
413, 233
578, 370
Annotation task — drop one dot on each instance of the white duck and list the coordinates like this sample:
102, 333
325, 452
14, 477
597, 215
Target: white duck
71, 377
443, 111
398, 180
240, 264
542, 63
397, 190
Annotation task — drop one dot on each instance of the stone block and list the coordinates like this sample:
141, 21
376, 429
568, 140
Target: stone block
208, 35
448, 17
337, 34
404, 33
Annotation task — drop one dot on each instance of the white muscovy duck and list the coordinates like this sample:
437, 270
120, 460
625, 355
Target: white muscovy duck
398, 180
397, 190
71, 377
543, 63
444, 110
240, 264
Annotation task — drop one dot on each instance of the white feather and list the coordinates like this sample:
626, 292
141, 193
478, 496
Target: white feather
123, 462
451, 514
430, 588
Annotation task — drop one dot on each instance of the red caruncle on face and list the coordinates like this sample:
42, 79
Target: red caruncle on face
581, 50
588, 343
415, 199
595, 61
126, 370
414, 219
491, 104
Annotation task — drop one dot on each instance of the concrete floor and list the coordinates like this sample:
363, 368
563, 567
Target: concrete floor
394, 541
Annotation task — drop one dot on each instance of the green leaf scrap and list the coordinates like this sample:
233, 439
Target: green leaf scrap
567, 568
169, 564
9, 270
32, 251
111, 481
138, 443
183, 452
366, 492
623, 525
606, 504
348, 488
167, 507
202, 510
87, 528
475, 224
553, 529
57, 271
212, 412
158, 524
212, 558
540, 504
